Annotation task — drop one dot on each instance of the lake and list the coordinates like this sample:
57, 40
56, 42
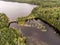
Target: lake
15, 9
34, 35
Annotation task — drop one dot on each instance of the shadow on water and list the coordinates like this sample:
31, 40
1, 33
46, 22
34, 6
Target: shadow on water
57, 31
36, 37
13, 22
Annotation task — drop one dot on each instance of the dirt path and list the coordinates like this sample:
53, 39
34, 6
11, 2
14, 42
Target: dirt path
37, 37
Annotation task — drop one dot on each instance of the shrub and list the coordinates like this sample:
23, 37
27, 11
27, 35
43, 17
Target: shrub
10, 36
4, 21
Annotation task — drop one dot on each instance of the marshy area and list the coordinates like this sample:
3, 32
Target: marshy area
29, 22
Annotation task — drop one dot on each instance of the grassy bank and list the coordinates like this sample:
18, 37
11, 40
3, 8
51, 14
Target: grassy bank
49, 11
9, 36
50, 15
42, 3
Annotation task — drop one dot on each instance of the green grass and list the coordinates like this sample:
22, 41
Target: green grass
47, 10
9, 36
43, 3
50, 15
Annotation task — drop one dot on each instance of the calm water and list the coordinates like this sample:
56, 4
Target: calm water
15, 9
37, 37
